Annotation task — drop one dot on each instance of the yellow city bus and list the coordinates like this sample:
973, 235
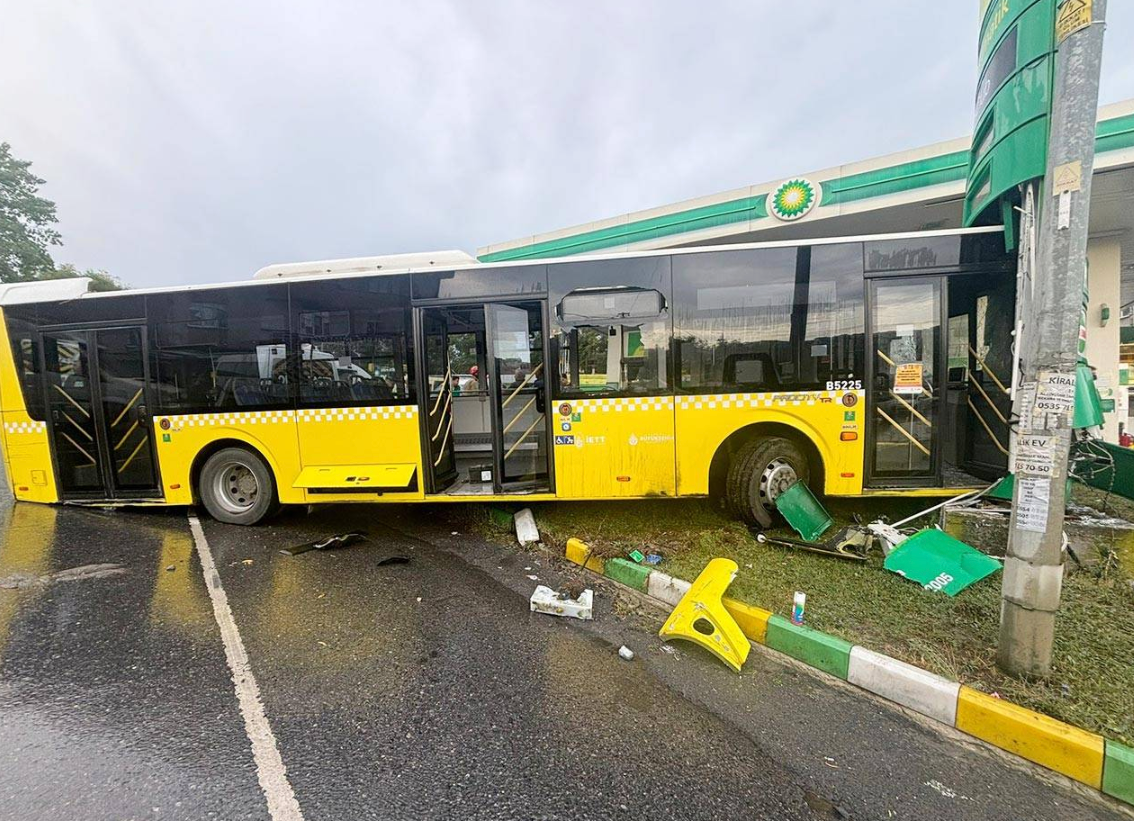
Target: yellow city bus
868, 365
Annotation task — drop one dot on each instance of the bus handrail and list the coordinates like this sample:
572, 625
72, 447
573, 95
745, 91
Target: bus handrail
527, 379
988, 370
987, 429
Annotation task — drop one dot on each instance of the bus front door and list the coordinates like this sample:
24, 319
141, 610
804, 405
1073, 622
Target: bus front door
906, 381
95, 386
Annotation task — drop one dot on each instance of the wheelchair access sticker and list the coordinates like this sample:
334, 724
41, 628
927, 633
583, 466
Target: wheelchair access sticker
564, 440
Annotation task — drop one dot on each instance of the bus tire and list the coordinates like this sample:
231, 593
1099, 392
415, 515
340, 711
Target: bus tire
761, 470
236, 486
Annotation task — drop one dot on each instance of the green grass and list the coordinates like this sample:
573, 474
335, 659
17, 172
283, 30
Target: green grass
1092, 685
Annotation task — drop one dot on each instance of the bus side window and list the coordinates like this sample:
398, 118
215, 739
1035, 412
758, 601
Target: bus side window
353, 337
612, 324
220, 349
21, 320
769, 319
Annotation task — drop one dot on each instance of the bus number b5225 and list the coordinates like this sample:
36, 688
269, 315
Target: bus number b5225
845, 385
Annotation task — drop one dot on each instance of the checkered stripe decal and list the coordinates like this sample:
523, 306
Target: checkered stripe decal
709, 402
30, 426
203, 420
357, 414
627, 404
759, 400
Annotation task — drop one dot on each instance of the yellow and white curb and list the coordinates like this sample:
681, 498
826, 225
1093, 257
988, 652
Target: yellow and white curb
1084, 756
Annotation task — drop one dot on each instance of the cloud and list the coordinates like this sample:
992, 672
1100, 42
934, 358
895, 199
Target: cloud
191, 142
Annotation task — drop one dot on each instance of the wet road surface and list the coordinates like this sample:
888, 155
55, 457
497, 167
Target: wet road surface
420, 690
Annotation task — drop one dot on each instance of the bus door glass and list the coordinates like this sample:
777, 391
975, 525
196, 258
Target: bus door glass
437, 400
519, 392
125, 418
989, 359
97, 412
907, 381
71, 412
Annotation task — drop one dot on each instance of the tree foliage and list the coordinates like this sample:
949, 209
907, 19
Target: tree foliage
100, 280
27, 230
27, 222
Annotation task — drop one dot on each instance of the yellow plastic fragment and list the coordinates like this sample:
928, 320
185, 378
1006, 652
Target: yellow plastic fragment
701, 617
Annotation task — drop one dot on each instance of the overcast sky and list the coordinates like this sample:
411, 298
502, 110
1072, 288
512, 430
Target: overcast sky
197, 141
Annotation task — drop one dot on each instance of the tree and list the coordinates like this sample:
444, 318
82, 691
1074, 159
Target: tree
100, 280
27, 222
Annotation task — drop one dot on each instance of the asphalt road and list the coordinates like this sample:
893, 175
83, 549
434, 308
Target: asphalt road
420, 690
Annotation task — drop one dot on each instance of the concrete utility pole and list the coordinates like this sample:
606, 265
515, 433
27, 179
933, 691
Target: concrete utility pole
1033, 571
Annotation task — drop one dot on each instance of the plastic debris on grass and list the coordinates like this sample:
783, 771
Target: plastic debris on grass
526, 531
938, 562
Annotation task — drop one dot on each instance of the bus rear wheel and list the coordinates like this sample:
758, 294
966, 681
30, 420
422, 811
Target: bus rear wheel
759, 472
236, 487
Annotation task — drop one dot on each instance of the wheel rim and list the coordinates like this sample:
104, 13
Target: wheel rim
777, 477
236, 487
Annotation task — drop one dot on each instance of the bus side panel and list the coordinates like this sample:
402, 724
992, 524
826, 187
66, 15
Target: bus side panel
27, 452
361, 436
704, 422
271, 433
614, 447
27, 458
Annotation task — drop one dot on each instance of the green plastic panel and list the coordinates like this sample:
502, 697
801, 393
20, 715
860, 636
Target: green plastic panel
826, 653
1088, 403
937, 561
1120, 478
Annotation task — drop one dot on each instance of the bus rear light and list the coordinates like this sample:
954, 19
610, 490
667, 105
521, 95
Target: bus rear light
848, 436
622, 478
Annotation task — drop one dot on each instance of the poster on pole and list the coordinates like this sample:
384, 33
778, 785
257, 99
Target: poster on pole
1035, 455
1033, 500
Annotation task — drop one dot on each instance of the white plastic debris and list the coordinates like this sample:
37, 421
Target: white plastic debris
526, 531
887, 535
625, 653
546, 600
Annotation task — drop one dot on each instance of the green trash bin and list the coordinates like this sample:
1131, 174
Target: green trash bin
803, 512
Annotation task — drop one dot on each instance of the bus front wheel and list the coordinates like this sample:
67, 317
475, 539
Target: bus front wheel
759, 472
236, 487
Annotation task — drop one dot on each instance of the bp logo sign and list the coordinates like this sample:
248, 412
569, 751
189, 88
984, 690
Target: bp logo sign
794, 199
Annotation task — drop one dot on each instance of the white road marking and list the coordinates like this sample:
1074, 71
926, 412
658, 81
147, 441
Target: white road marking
270, 769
